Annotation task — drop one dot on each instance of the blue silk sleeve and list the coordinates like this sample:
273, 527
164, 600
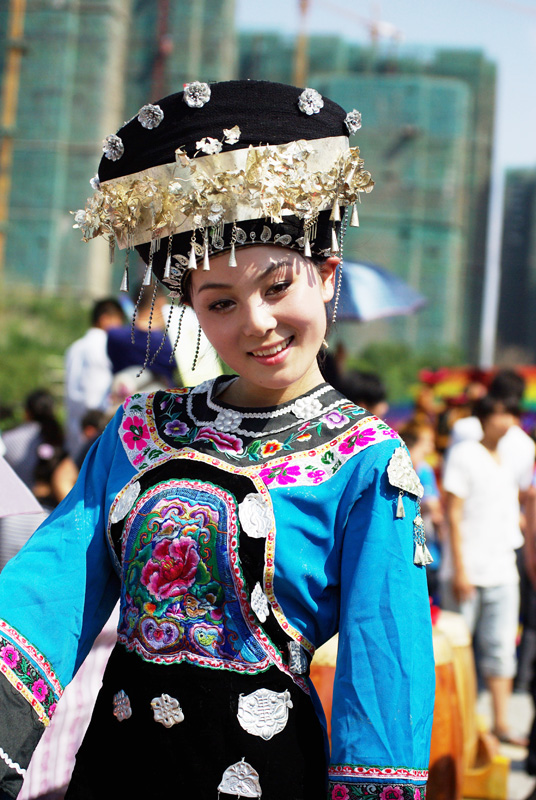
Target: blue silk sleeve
384, 683
55, 596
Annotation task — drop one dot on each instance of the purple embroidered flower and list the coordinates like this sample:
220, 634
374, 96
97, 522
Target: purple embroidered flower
316, 475
137, 433
10, 656
359, 439
40, 690
283, 475
392, 793
224, 442
334, 419
339, 792
175, 428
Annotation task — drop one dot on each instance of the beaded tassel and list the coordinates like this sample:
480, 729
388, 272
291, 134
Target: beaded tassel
111, 249
340, 265
354, 221
166, 331
149, 326
135, 314
181, 317
197, 346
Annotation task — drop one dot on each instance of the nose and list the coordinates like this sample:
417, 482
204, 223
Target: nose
258, 318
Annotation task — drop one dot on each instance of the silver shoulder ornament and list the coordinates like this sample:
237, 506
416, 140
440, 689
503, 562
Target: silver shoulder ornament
403, 477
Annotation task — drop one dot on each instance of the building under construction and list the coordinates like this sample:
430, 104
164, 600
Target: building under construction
427, 139
72, 72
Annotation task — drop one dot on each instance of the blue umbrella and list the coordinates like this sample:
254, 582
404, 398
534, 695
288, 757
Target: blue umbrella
369, 292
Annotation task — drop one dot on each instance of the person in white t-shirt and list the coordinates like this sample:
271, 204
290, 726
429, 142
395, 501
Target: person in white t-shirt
88, 370
479, 572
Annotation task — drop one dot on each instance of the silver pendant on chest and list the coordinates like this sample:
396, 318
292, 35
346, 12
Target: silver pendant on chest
241, 780
264, 713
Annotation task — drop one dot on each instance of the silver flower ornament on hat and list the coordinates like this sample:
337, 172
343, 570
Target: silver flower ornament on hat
209, 145
150, 116
113, 147
310, 102
241, 780
167, 710
232, 135
95, 183
353, 121
264, 713
196, 94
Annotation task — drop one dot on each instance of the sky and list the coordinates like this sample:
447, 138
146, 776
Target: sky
505, 30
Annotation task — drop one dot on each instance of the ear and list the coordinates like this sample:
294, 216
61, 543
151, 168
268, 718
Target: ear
328, 272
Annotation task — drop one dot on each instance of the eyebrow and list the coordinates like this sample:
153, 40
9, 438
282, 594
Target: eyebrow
264, 273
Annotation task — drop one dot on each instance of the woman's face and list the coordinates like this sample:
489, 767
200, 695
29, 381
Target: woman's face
266, 319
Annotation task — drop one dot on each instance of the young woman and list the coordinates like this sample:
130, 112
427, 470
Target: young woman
244, 521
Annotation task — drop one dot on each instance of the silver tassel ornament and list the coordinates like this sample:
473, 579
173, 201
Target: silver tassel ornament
354, 219
167, 268
206, 260
306, 245
124, 282
335, 215
421, 555
148, 274
400, 513
334, 241
232, 256
192, 261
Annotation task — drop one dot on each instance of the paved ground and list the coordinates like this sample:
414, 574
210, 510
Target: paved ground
519, 783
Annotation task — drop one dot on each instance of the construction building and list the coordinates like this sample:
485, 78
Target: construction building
85, 67
517, 321
427, 139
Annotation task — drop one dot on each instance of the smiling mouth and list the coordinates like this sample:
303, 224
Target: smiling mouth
272, 351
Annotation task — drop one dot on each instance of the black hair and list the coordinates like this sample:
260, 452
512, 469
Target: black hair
492, 404
40, 407
507, 383
108, 305
364, 388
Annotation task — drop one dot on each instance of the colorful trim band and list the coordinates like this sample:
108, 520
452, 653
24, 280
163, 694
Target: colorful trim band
377, 773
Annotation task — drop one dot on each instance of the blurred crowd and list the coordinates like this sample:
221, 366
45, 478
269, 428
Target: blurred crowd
475, 462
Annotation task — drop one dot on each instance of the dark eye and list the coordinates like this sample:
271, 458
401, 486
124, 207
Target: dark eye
220, 305
279, 287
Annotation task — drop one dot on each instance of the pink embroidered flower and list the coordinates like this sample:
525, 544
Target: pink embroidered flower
339, 792
316, 475
282, 475
52, 709
172, 569
10, 656
417, 795
392, 793
40, 690
137, 433
271, 447
391, 433
359, 439
334, 419
224, 442
138, 459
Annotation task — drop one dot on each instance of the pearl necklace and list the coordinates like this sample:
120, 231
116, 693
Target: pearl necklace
228, 420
